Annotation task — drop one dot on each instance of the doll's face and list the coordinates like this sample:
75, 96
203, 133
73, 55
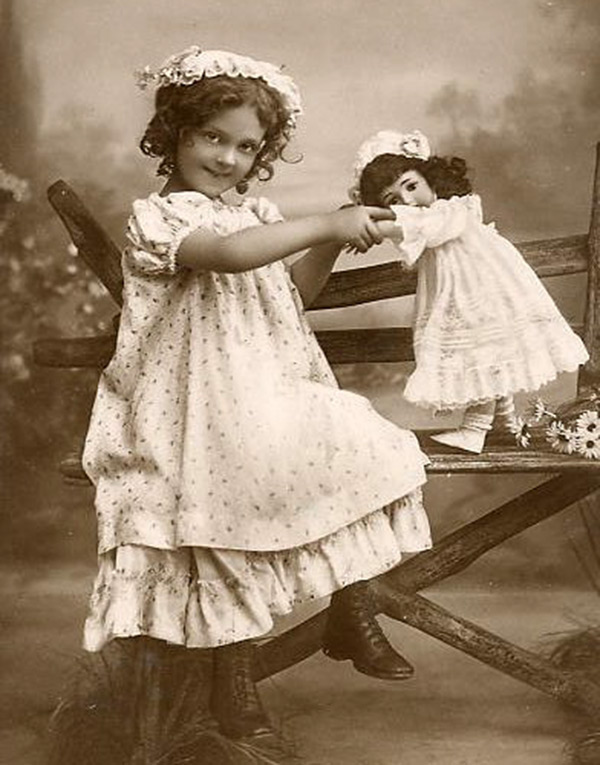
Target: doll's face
410, 188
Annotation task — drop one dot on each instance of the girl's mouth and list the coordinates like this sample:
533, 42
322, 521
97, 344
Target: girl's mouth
216, 174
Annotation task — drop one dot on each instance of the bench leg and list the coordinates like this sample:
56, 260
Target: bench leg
449, 556
490, 649
458, 550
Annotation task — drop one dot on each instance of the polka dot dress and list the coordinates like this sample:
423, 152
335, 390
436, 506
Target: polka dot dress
233, 477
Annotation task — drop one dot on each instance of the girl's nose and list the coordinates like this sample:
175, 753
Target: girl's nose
227, 156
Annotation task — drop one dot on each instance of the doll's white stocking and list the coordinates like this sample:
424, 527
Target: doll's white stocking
505, 416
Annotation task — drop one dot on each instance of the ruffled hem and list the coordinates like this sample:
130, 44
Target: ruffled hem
200, 597
444, 387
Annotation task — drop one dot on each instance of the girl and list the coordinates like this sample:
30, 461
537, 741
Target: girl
233, 478
485, 327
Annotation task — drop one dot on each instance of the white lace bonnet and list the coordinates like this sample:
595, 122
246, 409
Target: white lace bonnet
193, 64
413, 144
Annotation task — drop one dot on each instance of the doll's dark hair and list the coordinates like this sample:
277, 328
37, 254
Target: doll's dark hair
447, 176
181, 106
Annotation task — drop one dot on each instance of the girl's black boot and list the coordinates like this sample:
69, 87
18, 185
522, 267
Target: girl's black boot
352, 632
235, 702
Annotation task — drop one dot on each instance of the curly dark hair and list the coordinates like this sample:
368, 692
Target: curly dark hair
447, 176
181, 106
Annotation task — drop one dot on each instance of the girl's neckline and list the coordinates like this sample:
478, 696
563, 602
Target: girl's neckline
191, 193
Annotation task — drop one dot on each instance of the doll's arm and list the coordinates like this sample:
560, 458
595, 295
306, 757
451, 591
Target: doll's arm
416, 229
408, 240
445, 220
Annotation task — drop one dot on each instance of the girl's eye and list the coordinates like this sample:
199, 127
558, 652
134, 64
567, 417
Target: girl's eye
249, 148
211, 137
411, 186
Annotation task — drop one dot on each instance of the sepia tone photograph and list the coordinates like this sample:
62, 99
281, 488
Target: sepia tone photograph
300, 382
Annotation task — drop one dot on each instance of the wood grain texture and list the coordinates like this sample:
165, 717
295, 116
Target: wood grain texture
467, 637
340, 347
590, 374
503, 460
343, 346
74, 352
95, 247
548, 257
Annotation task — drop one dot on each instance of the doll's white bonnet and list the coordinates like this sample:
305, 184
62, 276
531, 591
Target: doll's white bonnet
413, 144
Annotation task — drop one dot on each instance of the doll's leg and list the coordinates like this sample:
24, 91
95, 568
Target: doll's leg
352, 632
470, 437
505, 416
235, 702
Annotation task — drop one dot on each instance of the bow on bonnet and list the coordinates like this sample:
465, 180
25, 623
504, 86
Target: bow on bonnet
413, 144
193, 64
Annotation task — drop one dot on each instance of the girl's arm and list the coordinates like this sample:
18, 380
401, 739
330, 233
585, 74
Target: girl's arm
310, 272
259, 245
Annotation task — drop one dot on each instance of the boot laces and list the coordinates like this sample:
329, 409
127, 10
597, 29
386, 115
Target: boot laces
243, 684
370, 627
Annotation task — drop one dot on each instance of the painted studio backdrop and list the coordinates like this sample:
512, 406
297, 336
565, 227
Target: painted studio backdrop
513, 86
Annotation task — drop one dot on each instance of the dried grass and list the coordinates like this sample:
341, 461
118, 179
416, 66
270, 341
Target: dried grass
141, 702
579, 650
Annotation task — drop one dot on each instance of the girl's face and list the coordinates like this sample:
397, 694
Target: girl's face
410, 188
217, 156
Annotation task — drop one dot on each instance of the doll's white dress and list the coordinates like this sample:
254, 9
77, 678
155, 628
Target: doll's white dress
484, 326
233, 477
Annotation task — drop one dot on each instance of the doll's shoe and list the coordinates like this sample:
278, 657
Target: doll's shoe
470, 437
353, 633
235, 702
466, 439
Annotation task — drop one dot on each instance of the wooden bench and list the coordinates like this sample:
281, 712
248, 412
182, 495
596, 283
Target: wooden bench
568, 478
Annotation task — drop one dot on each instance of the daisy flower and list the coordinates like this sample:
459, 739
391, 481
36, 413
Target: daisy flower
561, 439
589, 446
521, 432
539, 409
588, 424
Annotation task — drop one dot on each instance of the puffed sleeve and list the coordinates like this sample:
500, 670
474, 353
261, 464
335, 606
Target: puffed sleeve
423, 228
156, 229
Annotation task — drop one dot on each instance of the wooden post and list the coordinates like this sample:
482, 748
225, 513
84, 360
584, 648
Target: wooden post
95, 247
590, 374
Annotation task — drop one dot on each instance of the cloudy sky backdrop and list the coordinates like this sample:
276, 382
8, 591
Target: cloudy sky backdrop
510, 84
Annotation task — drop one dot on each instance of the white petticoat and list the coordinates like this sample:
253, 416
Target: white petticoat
200, 597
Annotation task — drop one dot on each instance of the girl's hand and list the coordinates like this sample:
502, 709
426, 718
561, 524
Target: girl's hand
357, 226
